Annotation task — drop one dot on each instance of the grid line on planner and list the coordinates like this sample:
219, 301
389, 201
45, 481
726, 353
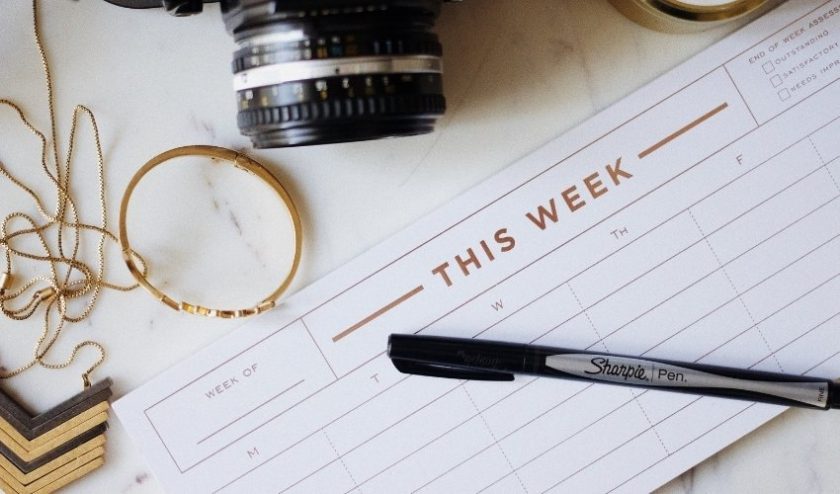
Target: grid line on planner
226, 361
264, 403
728, 74
495, 439
727, 302
732, 283
296, 443
736, 297
282, 412
309, 332
699, 280
339, 457
582, 311
438, 437
389, 387
833, 179
571, 436
454, 388
521, 426
157, 433
624, 443
806, 333
600, 340
691, 442
817, 150
579, 470
832, 278
825, 164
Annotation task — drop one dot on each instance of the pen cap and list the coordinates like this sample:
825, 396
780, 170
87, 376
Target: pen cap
457, 352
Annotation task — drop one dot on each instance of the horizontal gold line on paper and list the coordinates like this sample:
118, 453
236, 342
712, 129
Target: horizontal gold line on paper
402, 298
684, 129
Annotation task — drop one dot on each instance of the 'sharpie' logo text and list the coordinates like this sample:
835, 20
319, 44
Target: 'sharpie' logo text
604, 368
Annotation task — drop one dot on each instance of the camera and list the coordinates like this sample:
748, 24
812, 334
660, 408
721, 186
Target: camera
327, 71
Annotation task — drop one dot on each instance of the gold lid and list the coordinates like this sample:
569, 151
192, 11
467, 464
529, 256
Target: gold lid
675, 16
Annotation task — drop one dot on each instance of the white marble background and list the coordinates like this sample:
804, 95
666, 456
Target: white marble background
518, 73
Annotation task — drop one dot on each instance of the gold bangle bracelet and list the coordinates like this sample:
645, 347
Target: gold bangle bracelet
243, 163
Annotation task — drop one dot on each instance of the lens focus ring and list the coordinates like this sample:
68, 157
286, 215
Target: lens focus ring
344, 108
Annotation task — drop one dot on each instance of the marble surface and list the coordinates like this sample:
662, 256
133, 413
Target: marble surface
518, 73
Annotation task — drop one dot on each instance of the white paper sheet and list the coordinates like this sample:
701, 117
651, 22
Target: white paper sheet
710, 234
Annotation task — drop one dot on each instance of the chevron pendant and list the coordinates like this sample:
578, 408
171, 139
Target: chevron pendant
43, 453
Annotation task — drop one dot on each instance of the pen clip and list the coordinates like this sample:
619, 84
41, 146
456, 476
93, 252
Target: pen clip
408, 366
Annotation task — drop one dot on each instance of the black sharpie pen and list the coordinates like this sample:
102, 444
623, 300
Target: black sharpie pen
465, 358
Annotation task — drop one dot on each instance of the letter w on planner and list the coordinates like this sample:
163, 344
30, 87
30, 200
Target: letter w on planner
544, 214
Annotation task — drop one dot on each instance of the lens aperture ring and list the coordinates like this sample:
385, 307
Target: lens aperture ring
336, 47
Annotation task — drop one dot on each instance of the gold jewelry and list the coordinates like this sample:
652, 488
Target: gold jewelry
45, 452
243, 163
68, 278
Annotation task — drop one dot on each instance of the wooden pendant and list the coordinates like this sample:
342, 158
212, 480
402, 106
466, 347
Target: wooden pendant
43, 453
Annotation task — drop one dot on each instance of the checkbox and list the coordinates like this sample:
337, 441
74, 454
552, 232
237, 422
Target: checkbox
768, 67
784, 94
776, 81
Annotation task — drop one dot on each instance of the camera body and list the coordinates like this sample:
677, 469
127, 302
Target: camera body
327, 71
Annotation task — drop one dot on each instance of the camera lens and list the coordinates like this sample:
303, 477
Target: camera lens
318, 72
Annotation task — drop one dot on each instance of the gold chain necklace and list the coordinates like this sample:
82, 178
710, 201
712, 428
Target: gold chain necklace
47, 451
68, 278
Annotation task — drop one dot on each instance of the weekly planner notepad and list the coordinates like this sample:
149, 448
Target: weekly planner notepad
696, 220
